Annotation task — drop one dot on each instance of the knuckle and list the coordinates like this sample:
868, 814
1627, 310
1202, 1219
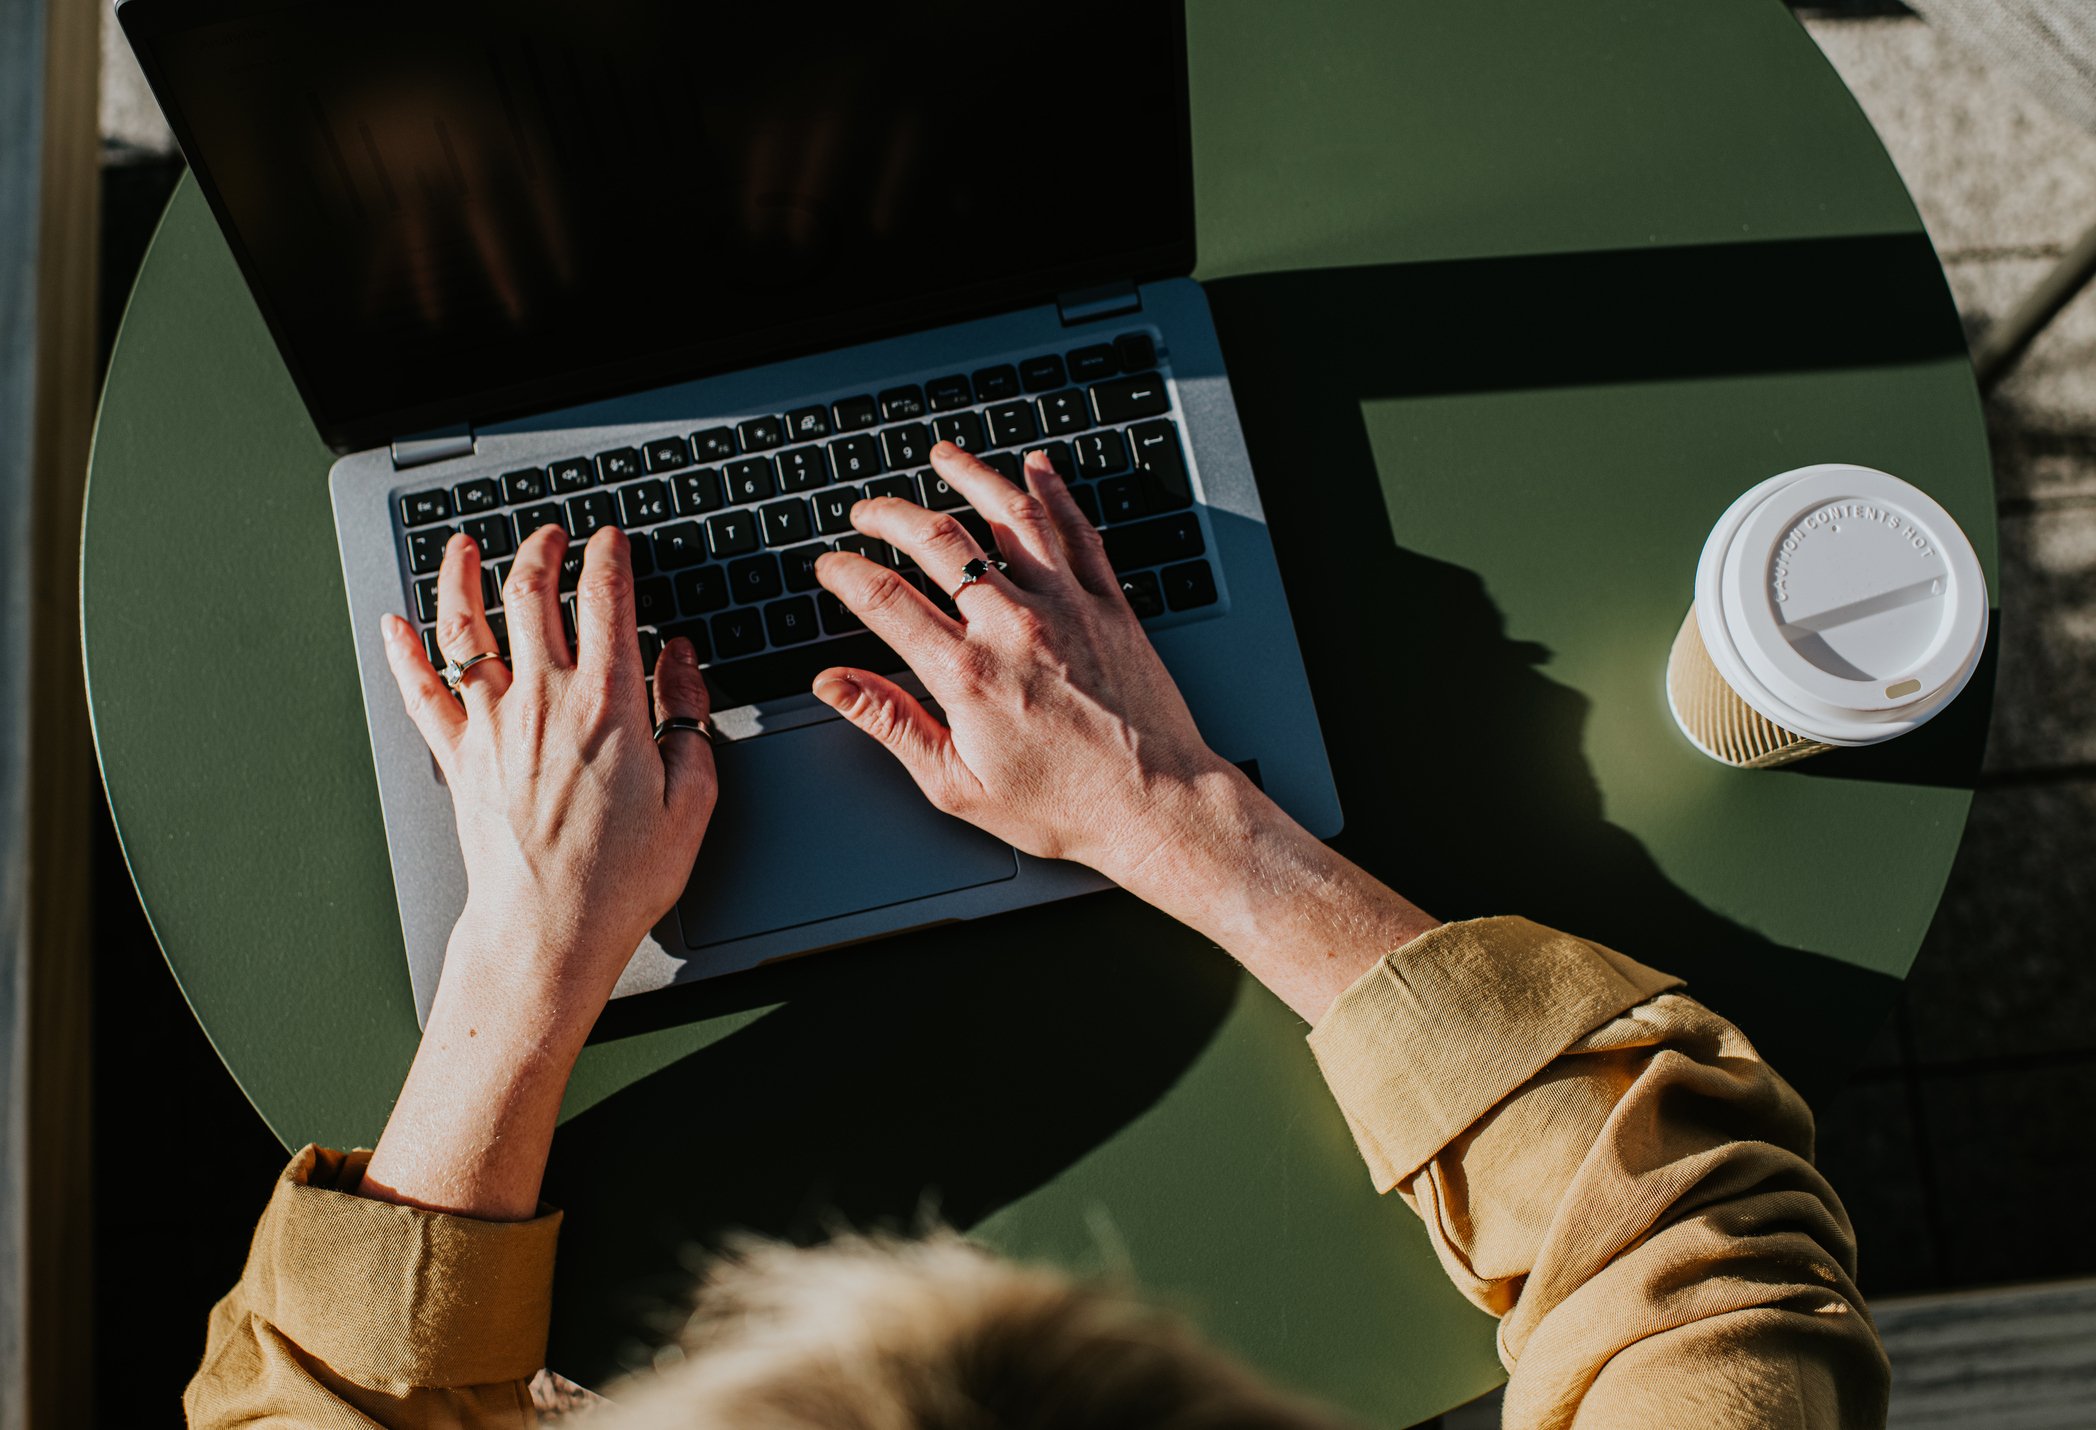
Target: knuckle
946, 530
882, 591
525, 583
607, 583
454, 628
1025, 509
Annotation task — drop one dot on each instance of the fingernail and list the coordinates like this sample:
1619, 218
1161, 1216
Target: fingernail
682, 651
835, 691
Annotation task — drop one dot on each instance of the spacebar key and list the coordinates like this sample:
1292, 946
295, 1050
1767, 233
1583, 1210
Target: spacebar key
792, 671
1152, 543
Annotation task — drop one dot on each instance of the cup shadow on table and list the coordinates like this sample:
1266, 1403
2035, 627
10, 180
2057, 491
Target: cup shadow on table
962, 1068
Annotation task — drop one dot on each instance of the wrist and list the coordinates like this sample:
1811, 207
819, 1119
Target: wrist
530, 981
1199, 837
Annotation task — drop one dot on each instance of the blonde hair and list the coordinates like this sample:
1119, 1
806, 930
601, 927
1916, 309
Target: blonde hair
882, 1333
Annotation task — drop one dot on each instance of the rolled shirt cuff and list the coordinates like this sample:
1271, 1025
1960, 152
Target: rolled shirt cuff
1438, 1033
395, 1297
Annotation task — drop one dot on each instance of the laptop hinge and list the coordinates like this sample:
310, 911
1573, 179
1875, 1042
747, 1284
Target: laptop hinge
432, 447
1090, 304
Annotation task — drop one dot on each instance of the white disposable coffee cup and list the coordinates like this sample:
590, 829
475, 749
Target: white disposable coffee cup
1835, 605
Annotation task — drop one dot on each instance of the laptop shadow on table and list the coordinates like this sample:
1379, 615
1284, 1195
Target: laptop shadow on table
962, 1068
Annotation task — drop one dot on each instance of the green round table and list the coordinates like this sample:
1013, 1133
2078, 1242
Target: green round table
1515, 299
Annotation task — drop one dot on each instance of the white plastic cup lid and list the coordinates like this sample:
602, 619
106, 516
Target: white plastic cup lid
1842, 603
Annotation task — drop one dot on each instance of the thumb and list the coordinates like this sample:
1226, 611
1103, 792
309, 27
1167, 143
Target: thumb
689, 781
898, 720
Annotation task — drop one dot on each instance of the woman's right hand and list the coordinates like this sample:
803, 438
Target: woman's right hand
1063, 733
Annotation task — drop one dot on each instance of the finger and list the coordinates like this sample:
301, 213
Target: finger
689, 779
607, 651
894, 717
422, 691
462, 623
935, 540
1082, 548
531, 596
1025, 536
926, 638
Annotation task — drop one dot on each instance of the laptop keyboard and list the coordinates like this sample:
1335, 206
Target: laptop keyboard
726, 523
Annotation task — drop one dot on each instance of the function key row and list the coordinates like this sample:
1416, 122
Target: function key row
1057, 409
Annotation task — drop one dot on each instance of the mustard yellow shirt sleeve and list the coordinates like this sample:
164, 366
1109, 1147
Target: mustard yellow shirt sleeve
354, 1312
1612, 1170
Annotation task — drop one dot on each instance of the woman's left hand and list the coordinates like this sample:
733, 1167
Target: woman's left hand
578, 830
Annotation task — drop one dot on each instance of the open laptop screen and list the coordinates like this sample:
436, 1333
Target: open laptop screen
464, 209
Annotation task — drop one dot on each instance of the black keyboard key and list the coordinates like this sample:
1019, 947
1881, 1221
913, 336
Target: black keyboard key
643, 504
978, 526
650, 652
944, 394
876, 551
429, 645
905, 446
833, 509
1136, 352
852, 413
653, 601
785, 523
1041, 373
701, 590
693, 493
1012, 424
694, 631
572, 474
1188, 586
715, 444
760, 434
1100, 454
902, 404
571, 568
1059, 458
798, 566
732, 533
749, 480
640, 552
620, 464
531, 518
422, 508
1128, 398
853, 459
1063, 412
1007, 465
1162, 461
1153, 543
963, 429
997, 384
935, 495
524, 485
491, 533
667, 454
805, 424
737, 633
587, 513
1092, 363
755, 577
1124, 498
678, 545
1145, 594
426, 600
791, 621
802, 469
1088, 502
895, 486
476, 497
837, 618
792, 670
498, 626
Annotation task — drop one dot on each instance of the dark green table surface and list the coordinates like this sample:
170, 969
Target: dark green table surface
1516, 298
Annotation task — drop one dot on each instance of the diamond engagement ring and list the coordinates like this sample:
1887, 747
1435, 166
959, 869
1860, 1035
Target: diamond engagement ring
454, 671
974, 571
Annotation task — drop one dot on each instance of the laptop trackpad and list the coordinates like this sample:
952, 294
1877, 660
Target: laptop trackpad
821, 821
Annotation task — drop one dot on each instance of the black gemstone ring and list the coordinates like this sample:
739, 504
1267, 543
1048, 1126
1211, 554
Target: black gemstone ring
974, 571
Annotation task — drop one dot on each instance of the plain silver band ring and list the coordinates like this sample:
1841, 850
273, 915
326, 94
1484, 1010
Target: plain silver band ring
454, 671
683, 722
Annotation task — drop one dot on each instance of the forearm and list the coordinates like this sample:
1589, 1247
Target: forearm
474, 1123
1225, 860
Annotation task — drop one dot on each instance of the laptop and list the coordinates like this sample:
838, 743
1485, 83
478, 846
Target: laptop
713, 273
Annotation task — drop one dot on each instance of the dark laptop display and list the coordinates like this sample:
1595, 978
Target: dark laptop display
496, 207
